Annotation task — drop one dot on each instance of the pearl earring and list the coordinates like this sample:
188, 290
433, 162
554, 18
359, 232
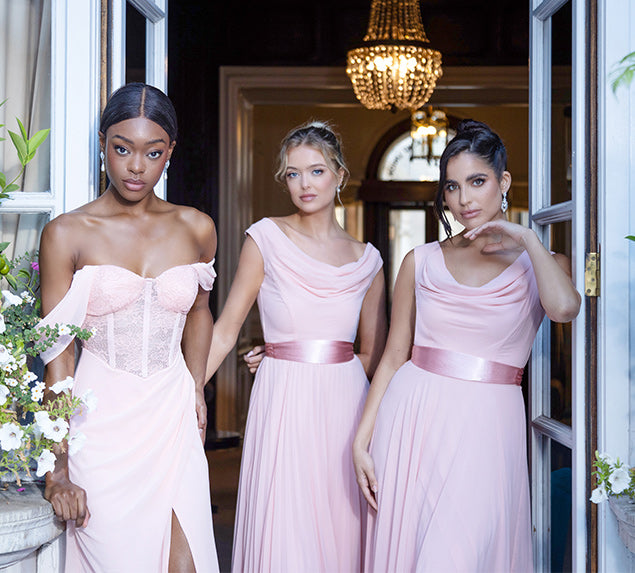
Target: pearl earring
338, 191
165, 169
103, 165
504, 203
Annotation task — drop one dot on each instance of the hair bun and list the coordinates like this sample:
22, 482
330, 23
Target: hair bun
467, 125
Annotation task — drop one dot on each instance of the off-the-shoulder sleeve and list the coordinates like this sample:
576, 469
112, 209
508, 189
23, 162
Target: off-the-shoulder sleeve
70, 310
206, 274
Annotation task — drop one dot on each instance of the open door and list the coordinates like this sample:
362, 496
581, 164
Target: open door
562, 200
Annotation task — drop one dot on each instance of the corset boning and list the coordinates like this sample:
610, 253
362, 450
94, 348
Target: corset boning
142, 338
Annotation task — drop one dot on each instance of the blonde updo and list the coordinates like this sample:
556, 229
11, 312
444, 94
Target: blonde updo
320, 136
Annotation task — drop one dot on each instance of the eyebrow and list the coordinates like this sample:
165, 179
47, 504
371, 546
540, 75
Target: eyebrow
150, 142
310, 166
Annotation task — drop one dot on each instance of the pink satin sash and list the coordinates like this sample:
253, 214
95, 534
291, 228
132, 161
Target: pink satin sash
311, 351
464, 366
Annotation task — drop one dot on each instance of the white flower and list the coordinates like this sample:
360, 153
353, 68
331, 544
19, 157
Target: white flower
10, 436
76, 443
37, 394
42, 420
598, 495
5, 355
11, 382
30, 377
63, 385
45, 463
619, 479
64, 330
3, 326
10, 299
26, 297
56, 431
90, 400
4, 394
608, 458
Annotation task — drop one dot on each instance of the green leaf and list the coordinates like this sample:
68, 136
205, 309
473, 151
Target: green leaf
3, 180
4, 245
3, 195
25, 136
630, 237
37, 140
12, 187
20, 146
12, 282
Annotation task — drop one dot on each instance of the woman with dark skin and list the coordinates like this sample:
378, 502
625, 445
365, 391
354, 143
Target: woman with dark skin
137, 270
446, 473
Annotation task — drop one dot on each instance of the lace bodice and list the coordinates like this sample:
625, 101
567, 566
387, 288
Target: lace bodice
137, 322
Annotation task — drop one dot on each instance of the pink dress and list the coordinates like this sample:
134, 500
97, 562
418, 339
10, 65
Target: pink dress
298, 502
450, 454
142, 458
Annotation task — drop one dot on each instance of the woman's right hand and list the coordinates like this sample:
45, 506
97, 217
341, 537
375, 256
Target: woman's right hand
365, 473
68, 500
254, 357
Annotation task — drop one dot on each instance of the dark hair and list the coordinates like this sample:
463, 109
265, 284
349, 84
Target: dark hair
477, 138
140, 100
319, 135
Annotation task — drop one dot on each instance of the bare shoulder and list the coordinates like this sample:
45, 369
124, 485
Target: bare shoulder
200, 225
68, 228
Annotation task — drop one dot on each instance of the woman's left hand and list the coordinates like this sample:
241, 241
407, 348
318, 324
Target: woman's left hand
201, 414
505, 234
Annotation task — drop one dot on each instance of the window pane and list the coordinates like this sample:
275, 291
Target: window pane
135, 45
25, 77
407, 230
561, 83
22, 231
561, 558
561, 341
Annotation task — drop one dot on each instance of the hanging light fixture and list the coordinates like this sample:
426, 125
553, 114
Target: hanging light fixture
429, 134
394, 68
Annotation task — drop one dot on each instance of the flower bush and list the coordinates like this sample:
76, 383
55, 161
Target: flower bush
613, 478
29, 427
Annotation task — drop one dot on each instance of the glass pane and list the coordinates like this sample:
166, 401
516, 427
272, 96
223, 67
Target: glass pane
407, 229
561, 342
25, 84
22, 231
135, 45
397, 164
561, 84
560, 521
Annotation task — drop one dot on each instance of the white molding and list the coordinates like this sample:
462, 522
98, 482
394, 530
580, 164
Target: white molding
117, 42
241, 88
151, 11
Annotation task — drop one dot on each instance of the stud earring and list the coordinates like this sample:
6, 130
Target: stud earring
504, 203
103, 165
165, 169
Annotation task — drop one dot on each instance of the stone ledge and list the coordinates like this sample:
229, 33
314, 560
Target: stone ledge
27, 522
624, 509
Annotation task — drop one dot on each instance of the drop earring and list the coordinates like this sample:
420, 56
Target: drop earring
103, 165
165, 169
504, 203
338, 191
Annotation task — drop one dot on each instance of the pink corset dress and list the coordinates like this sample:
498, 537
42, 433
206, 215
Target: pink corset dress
143, 458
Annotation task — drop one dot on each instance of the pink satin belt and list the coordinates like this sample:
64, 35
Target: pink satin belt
464, 366
311, 351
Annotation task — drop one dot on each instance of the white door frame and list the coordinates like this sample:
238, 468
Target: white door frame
242, 88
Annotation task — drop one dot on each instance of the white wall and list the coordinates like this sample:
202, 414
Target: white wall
617, 300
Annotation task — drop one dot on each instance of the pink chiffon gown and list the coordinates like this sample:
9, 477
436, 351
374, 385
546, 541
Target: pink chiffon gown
450, 453
143, 458
299, 507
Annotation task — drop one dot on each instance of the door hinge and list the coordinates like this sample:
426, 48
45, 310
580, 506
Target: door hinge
592, 274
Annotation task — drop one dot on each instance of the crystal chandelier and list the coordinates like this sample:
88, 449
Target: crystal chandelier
394, 69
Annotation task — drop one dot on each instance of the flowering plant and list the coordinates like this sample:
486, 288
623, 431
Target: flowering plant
613, 478
29, 428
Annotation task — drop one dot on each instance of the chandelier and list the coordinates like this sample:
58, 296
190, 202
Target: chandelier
394, 69
429, 134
